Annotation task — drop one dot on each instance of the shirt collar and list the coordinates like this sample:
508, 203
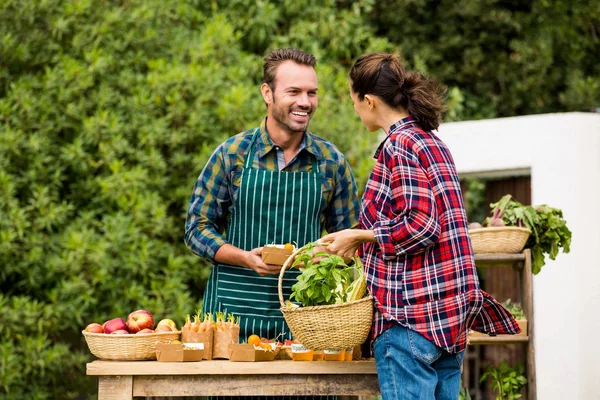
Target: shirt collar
405, 122
266, 144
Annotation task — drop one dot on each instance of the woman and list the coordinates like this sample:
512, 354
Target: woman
413, 238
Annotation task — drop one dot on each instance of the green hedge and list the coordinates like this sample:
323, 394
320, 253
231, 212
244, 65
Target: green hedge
109, 110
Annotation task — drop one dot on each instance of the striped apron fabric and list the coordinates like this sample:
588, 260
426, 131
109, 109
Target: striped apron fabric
272, 207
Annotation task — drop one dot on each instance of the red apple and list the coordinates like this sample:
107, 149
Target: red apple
169, 322
120, 332
163, 328
94, 327
138, 320
146, 330
114, 325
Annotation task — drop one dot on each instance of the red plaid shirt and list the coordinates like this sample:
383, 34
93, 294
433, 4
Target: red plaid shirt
421, 271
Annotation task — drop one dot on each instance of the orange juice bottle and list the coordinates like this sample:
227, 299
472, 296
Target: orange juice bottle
348, 354
334, 355
318, 355
301, 353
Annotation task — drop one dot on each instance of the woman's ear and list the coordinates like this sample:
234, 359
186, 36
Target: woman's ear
370, 100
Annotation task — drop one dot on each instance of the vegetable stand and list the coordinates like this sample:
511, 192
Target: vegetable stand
522, 261
126, 379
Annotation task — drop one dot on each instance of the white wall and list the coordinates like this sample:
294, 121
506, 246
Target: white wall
563, 154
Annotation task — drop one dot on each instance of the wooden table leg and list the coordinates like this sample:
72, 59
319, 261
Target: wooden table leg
115, 387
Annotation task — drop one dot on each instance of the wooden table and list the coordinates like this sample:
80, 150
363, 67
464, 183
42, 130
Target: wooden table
126, 379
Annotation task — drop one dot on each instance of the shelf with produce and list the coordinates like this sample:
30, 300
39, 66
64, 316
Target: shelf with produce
523, 263
500, 339
487, 259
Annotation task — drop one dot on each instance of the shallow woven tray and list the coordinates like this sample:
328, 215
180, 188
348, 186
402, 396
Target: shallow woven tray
127, 347
508, 239
327, 327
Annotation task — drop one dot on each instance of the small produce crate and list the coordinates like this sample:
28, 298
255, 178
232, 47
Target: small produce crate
508, 239
127, 347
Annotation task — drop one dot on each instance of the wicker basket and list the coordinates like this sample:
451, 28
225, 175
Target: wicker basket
127, 347
508, 239
328, 327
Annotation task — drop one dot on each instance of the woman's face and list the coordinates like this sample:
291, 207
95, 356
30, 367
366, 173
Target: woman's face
364, 112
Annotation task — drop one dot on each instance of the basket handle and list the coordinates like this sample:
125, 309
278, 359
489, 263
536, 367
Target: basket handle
288, 264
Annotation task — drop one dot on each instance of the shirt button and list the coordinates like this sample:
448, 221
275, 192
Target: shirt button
277, 148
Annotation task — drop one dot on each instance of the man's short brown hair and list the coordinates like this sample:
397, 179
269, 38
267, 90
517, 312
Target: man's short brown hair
276, 57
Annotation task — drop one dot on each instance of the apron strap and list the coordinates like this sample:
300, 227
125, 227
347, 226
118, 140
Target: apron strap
250, 155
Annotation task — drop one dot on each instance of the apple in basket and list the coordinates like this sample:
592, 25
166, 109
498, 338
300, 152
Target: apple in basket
169, 322
145, 330
163, 328
94, 327
114, 325
120, 332
138, 320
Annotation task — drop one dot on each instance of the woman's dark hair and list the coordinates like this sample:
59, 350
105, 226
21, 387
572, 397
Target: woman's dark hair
383, 75
274, 59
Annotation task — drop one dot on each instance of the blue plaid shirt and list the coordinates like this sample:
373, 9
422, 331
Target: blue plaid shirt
216, 188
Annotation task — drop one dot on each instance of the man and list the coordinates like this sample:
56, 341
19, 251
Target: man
277, 183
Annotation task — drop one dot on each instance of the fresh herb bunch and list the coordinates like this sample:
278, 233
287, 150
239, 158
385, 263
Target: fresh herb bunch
549, 232
515, 309
325, 278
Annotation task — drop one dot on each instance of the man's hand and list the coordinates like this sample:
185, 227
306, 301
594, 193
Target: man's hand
254, 261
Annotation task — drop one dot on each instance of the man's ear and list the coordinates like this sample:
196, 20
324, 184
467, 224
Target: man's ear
267, 93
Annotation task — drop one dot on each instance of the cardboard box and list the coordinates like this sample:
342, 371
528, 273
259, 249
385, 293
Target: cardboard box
188, 336
222, 340
177, 353
275, 255
247, 352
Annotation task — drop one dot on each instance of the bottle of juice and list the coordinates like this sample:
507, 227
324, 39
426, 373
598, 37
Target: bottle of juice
301, 353
318, 355
334, 355
348, 354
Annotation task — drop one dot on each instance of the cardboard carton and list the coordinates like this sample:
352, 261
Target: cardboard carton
222, 340
188, 336
248, 353
275, 255
177, 353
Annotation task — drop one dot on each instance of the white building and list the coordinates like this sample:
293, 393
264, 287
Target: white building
561, 153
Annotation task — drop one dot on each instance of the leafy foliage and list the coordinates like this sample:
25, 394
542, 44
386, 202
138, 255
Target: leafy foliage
549, 229
109, 109
506, 381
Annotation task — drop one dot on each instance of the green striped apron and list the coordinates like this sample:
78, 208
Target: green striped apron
272, 207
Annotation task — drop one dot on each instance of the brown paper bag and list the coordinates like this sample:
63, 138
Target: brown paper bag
222, 340
189, 336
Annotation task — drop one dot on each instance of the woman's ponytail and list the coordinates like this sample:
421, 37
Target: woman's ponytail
383, 75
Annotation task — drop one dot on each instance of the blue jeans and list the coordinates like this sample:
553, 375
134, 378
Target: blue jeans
411, 367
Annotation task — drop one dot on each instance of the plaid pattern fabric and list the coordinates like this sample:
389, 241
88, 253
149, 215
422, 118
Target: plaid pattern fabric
421, 271
217, 185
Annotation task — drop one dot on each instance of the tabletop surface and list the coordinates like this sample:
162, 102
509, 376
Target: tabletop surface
226, 367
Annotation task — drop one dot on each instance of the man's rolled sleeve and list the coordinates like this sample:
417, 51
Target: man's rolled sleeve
210, 198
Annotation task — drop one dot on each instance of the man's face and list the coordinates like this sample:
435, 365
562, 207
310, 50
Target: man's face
295, 99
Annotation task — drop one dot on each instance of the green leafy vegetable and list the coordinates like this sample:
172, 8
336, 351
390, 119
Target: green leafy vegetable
325, 278
514, 308
548, 227
506, 381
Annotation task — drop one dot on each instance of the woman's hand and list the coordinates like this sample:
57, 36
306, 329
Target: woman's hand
345, 243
